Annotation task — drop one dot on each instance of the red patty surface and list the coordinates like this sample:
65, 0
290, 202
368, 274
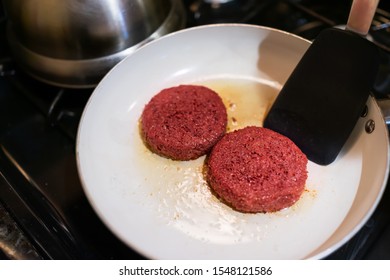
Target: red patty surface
255, 169
183, 122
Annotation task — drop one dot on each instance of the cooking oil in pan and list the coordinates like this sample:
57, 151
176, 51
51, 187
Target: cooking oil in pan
247, 101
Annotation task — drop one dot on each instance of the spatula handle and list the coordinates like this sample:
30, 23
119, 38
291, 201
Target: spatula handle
361, 15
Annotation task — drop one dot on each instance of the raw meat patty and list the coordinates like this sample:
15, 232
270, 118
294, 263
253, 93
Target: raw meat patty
255, 169
183, 122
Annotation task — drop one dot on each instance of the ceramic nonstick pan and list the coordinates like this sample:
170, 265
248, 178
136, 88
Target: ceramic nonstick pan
164, 209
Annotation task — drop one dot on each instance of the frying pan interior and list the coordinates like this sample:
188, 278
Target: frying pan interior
163, 209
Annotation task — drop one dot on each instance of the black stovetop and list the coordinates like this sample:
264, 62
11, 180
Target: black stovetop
44, 213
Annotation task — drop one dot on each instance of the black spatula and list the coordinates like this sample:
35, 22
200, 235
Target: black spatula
323, 98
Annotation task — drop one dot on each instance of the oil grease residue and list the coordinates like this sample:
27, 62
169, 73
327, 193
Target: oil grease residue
178, 192
247, 102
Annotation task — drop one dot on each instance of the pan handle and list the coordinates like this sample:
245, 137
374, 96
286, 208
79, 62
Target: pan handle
381, 88
384, 105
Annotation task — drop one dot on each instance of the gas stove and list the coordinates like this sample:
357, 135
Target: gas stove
44, 213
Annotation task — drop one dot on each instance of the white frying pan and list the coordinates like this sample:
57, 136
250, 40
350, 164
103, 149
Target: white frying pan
164, 209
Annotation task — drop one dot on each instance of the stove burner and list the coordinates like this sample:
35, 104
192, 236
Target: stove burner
223, 11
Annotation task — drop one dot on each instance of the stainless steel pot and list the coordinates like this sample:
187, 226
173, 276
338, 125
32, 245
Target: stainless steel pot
74, 43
